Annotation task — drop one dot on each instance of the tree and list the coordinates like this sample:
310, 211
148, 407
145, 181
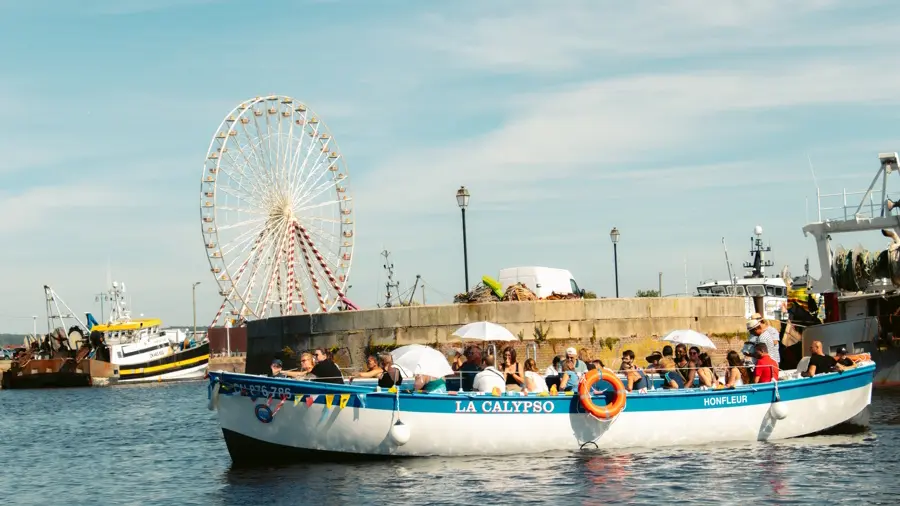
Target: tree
647, 293
589, 294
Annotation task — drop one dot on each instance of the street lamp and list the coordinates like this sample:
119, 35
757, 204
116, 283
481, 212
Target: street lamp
614, 237
194, 300
462, 199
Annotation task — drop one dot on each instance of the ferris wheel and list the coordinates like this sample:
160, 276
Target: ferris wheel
276, 215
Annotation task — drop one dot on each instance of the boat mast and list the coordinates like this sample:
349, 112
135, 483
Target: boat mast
757, 249
731, 276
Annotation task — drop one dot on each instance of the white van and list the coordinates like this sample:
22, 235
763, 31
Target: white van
541, 280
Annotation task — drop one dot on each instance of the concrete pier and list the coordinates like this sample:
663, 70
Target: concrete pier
599, 326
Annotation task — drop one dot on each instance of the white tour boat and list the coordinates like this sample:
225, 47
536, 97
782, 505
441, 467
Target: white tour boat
266, 419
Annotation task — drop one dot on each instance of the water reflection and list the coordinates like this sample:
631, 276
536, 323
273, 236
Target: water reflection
160, 445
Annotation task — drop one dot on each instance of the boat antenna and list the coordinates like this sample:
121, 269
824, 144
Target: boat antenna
812, 171
390, 284
728, 263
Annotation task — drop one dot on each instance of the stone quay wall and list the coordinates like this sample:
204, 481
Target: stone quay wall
600, 328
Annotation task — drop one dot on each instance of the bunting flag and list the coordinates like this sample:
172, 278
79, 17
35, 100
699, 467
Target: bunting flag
310, 399
553, 390
495, 392
343, 401
297, 399
329, 400
362, 400
392, 390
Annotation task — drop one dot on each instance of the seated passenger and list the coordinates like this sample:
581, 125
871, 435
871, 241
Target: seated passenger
457, 358
653, 361
635, 378
390, 375
533, 380
470, 368
489, 378
819, 363
705, 371
430, 384
673, 379
569, 380
372, 369
510, 367
843, 360
325, 370
555, 368
737, 374
684, 366
766, 369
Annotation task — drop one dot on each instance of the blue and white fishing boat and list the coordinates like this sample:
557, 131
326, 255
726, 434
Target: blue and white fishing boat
267, 419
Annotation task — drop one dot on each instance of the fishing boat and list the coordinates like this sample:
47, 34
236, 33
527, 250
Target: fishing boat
266, 419
141, 350
772, 290
860, 289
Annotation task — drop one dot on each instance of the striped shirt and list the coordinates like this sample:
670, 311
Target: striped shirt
770, 338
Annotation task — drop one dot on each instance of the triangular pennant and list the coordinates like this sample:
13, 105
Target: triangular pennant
392, 390
362, 400
329, 400
310, 399
343, 401
495, 391
297, 399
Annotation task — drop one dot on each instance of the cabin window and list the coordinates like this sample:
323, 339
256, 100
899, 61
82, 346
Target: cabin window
703, 292
717, 290
119, 354
861, 347
755, 290
770, 291
739, 290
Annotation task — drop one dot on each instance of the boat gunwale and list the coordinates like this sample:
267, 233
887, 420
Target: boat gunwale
322, 387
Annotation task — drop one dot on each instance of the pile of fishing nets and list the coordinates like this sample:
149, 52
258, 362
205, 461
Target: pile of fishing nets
518, 292
481, 293
856, 269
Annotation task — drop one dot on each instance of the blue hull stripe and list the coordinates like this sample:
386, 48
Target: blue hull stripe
263, 387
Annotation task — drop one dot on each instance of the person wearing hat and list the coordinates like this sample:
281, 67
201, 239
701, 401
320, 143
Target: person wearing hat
276, 368
278, 371
580, 366
653, 360
843, 360
761, 332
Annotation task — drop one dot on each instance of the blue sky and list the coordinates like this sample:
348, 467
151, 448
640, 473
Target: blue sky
678, 122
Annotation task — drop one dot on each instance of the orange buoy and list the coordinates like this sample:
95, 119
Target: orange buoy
584, 392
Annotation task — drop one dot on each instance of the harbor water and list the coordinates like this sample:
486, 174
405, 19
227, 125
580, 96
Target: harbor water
158, 444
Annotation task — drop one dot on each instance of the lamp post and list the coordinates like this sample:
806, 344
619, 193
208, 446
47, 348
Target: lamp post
194, 300
462, 199
614, 237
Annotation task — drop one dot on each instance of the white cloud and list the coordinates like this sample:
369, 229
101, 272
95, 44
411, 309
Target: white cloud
534, 36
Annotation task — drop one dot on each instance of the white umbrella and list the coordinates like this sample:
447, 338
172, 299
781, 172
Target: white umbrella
485, 331
419, 359
689, 338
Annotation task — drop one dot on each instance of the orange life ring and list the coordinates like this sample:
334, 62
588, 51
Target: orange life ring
584, 392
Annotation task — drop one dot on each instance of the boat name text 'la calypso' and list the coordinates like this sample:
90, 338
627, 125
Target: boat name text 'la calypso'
505, 407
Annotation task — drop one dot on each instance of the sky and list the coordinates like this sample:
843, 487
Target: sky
678, 122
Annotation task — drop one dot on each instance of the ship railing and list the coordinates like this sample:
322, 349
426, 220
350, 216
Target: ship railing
838, 207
